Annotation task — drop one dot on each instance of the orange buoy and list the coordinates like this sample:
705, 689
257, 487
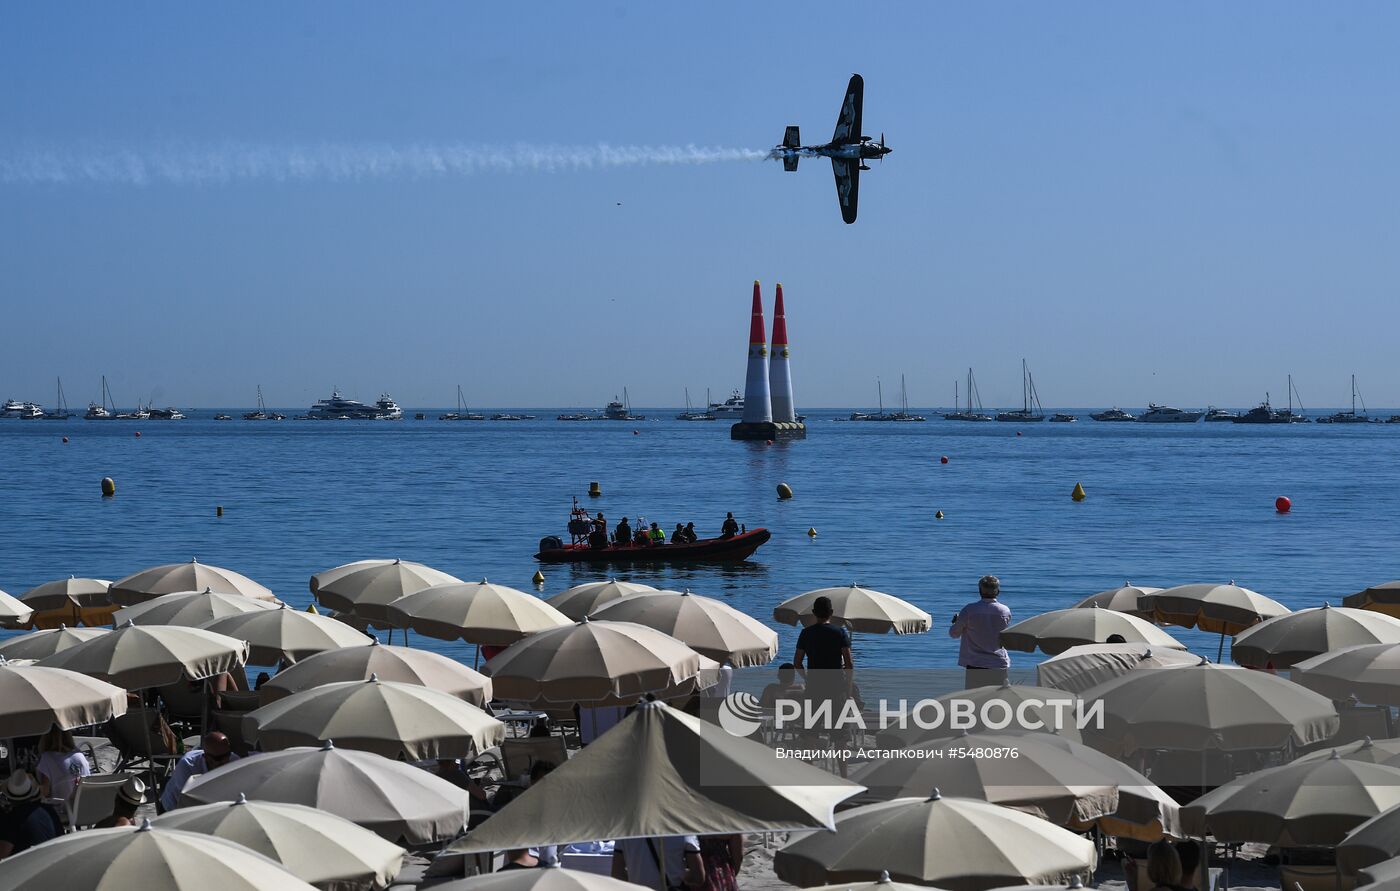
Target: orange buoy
943, 460
1282, 504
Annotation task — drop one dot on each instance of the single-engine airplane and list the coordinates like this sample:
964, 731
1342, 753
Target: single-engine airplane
848, 149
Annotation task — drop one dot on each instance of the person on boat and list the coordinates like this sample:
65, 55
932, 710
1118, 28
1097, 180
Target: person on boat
730, 527
678, 537
641, 538
979, 625
690, 536
622, 534
657, 536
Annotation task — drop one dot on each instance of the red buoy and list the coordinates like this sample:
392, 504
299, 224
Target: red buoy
636, 433
943, 460
138, 434
1282, 504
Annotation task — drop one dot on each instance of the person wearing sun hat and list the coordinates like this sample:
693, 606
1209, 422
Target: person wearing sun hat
29, 821
130, 796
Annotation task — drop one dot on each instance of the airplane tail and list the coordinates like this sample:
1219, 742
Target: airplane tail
792, 137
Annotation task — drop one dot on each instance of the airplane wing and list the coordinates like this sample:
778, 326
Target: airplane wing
848, 122
847, 185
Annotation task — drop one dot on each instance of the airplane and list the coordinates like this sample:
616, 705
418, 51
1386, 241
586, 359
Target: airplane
848, 149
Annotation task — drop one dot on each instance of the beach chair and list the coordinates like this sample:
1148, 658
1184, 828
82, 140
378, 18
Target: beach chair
137, 739
519, 755
1359, 723
184, 703
94, 798
239, 700
1314, 878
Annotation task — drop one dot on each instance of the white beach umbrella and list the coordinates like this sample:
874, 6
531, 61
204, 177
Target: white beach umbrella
708, 626
860, 609
137, 657
1370, 672
394, 800
173, 578
70, 601
287, 634
38, 644
1280, 642
1088, 665
476, 612
189, 608
389, 663
546, 878
1058, 630
321, 849
582, 600
33, 699
13, 611
1122, 599
365, 587
1219, 609
1382, 598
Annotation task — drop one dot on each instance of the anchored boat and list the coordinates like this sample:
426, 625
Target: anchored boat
581, 547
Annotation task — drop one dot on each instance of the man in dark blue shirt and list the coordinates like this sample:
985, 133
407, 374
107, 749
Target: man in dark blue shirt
28, 821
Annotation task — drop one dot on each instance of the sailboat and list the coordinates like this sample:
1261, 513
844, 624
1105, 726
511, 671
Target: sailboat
1299, 417
973, 398
1350, 417
462, 413
901, 415
621, 410
96, 412
61, 413
1030, 409
690, 414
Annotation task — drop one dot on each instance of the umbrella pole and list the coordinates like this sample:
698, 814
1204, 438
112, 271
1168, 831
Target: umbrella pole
150, 746
1220, 653
476, 662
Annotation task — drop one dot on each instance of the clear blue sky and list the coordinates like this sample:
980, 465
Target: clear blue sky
1178, 202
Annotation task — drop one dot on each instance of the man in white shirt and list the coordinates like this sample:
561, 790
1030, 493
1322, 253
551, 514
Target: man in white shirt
215, 753
637, 860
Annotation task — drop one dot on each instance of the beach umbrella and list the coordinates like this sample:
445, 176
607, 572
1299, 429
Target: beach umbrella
1371, 844
321, 849
189, 608
1123, 600
1382, 598
708, 626
1375, 751
1370, 672
581, 600
283, 634
1305, 803
147, 858
661, 772
1208, 707
1058, 630
1383, 876
390, 719
959, 844
1042, 780
1054, 710
70, 601
1088, 665
14, 612
883, 883
137, 657
177, 577
38, 644
590, 662
476, 612
1219, 609
859, 609
389, 663
546, 878
394, 800
1280, 642
33, 699
1145, 812
365, 587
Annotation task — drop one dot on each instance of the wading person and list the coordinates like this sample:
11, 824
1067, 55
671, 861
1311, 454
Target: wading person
979, 625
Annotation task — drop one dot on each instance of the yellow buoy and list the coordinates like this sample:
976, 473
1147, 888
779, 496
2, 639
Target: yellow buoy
538, 577
1078, 494
109, 487
313, 610
938, 515
812, 532
784, 491
594, 490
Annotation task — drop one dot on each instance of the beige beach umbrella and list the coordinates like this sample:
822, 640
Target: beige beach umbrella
1285, 640
546, 878
33, 699
708, 626
38, 644
662, 772
398, 664
189, 608
321, 849
1305, 803
1123, 600
147, 858
960, 844
1053, 710
1373, 751
582, 600
70, 601
1145, 812
1369, 672
883, 883
390, 719
1208, 707
591, 662
394, 800
174, 578
1058, 630
1088, 665
137, 657
1384, 876
1042, 780
14, 613
860, 609
1382, 598
365, 587
287, 634
1219, 609
476, 612
1370, 844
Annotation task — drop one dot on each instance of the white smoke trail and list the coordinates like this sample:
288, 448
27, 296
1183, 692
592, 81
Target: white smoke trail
335, 162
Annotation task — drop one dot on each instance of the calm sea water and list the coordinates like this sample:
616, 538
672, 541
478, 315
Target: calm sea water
1167, 505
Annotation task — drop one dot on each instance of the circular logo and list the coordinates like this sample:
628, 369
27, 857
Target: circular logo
740, 714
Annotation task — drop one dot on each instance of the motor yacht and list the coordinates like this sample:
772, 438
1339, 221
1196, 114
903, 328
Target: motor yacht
1166, 414
1112, 414
733, 407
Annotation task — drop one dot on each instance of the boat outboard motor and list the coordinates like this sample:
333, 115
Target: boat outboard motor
551, 543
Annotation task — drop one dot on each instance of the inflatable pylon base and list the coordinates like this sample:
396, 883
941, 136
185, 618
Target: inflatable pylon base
766, 430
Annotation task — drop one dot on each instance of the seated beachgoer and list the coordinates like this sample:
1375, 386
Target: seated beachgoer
786, 687
129, 797
636, 860
520, 858
27, 821
60, 765
215, 753
1189, 852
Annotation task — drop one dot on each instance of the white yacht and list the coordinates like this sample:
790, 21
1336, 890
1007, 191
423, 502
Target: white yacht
388, 409
732, 407
170, 413
338, 408
30, 411
11, 408
97, 412
1166, 414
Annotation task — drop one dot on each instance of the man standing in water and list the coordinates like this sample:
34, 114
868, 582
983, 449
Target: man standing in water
980, 625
